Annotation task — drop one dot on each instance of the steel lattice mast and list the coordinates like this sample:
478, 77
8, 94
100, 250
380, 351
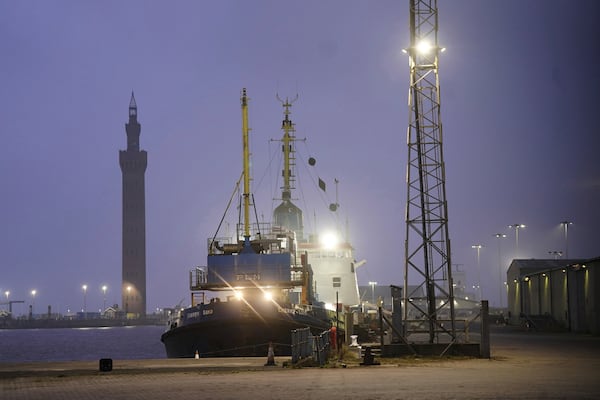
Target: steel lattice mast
429, 295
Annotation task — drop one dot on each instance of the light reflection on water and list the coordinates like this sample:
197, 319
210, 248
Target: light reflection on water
81, 344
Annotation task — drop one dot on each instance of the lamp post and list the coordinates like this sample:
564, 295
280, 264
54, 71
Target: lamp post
373, 290
33, 292
104, 295
566, 224
84, 287
516, 228
500, 281
8, 302
127, 302
478, 248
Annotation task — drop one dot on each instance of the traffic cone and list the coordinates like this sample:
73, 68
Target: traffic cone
270, 356
196, 356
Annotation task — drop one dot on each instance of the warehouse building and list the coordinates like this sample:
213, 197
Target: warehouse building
555, 294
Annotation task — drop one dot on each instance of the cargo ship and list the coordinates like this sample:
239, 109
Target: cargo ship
255, 288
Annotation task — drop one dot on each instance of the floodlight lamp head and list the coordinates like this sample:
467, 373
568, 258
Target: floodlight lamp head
423, 47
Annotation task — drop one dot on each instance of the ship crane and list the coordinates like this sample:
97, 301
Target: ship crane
10, 303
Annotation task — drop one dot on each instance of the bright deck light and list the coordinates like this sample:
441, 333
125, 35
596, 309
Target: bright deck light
268, 296
329, 240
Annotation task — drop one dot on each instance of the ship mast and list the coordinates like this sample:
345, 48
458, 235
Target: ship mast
287, 214
246, 158
288, 137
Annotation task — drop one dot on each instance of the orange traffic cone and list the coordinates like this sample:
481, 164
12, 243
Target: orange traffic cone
196, 356
270, 356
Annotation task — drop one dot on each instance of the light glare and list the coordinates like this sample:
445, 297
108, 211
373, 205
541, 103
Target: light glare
424, 47
329, 240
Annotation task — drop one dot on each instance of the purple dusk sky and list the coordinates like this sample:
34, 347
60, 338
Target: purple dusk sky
519, 84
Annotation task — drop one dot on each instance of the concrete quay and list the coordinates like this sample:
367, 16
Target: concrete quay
523, 365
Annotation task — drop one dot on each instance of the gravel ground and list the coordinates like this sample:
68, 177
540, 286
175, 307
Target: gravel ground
523, 366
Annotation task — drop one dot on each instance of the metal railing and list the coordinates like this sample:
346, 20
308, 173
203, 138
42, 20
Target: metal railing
305, 345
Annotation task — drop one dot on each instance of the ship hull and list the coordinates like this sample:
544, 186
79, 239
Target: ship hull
232, 330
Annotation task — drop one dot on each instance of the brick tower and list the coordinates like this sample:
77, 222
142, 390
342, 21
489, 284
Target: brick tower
133, 163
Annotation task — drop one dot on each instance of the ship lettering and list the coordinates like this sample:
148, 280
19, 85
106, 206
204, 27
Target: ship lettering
247, 277
207, 312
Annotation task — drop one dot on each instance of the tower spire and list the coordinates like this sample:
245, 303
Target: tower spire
133, 127
132, 107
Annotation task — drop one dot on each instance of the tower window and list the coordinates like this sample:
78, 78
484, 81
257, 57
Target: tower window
337, 281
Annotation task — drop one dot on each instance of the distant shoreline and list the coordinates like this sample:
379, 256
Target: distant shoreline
75, 323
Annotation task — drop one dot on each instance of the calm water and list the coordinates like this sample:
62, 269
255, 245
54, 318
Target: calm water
81, 344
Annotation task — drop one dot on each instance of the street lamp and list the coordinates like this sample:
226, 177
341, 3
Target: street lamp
127, 302
84, 287
104, 294
516, 228
500, 280
33, 292
566, 224
8, 302
478, 248
373, 290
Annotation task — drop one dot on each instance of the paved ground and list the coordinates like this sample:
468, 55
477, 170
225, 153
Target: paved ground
523, 366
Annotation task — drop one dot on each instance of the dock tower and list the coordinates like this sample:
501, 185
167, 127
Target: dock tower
133, 163
427, 266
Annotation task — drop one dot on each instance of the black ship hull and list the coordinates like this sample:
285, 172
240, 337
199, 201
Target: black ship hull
237, 329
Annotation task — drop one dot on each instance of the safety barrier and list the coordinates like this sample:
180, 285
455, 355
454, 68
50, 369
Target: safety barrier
305, 345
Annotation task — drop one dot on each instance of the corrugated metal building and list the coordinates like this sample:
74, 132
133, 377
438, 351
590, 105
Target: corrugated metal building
545, 294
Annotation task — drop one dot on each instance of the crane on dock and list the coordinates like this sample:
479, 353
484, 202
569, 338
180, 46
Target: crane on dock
10, 303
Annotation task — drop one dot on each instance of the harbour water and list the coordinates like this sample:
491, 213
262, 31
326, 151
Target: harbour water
81, 344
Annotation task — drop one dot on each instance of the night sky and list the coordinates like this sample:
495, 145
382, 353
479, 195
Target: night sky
519, 85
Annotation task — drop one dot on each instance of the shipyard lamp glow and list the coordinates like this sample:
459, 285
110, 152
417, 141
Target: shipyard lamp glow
329, 240
424, 48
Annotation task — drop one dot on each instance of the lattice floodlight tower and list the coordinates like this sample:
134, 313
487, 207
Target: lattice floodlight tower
428, 294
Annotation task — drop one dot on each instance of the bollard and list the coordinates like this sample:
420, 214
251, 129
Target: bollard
484, 346
369, 358
105, 364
